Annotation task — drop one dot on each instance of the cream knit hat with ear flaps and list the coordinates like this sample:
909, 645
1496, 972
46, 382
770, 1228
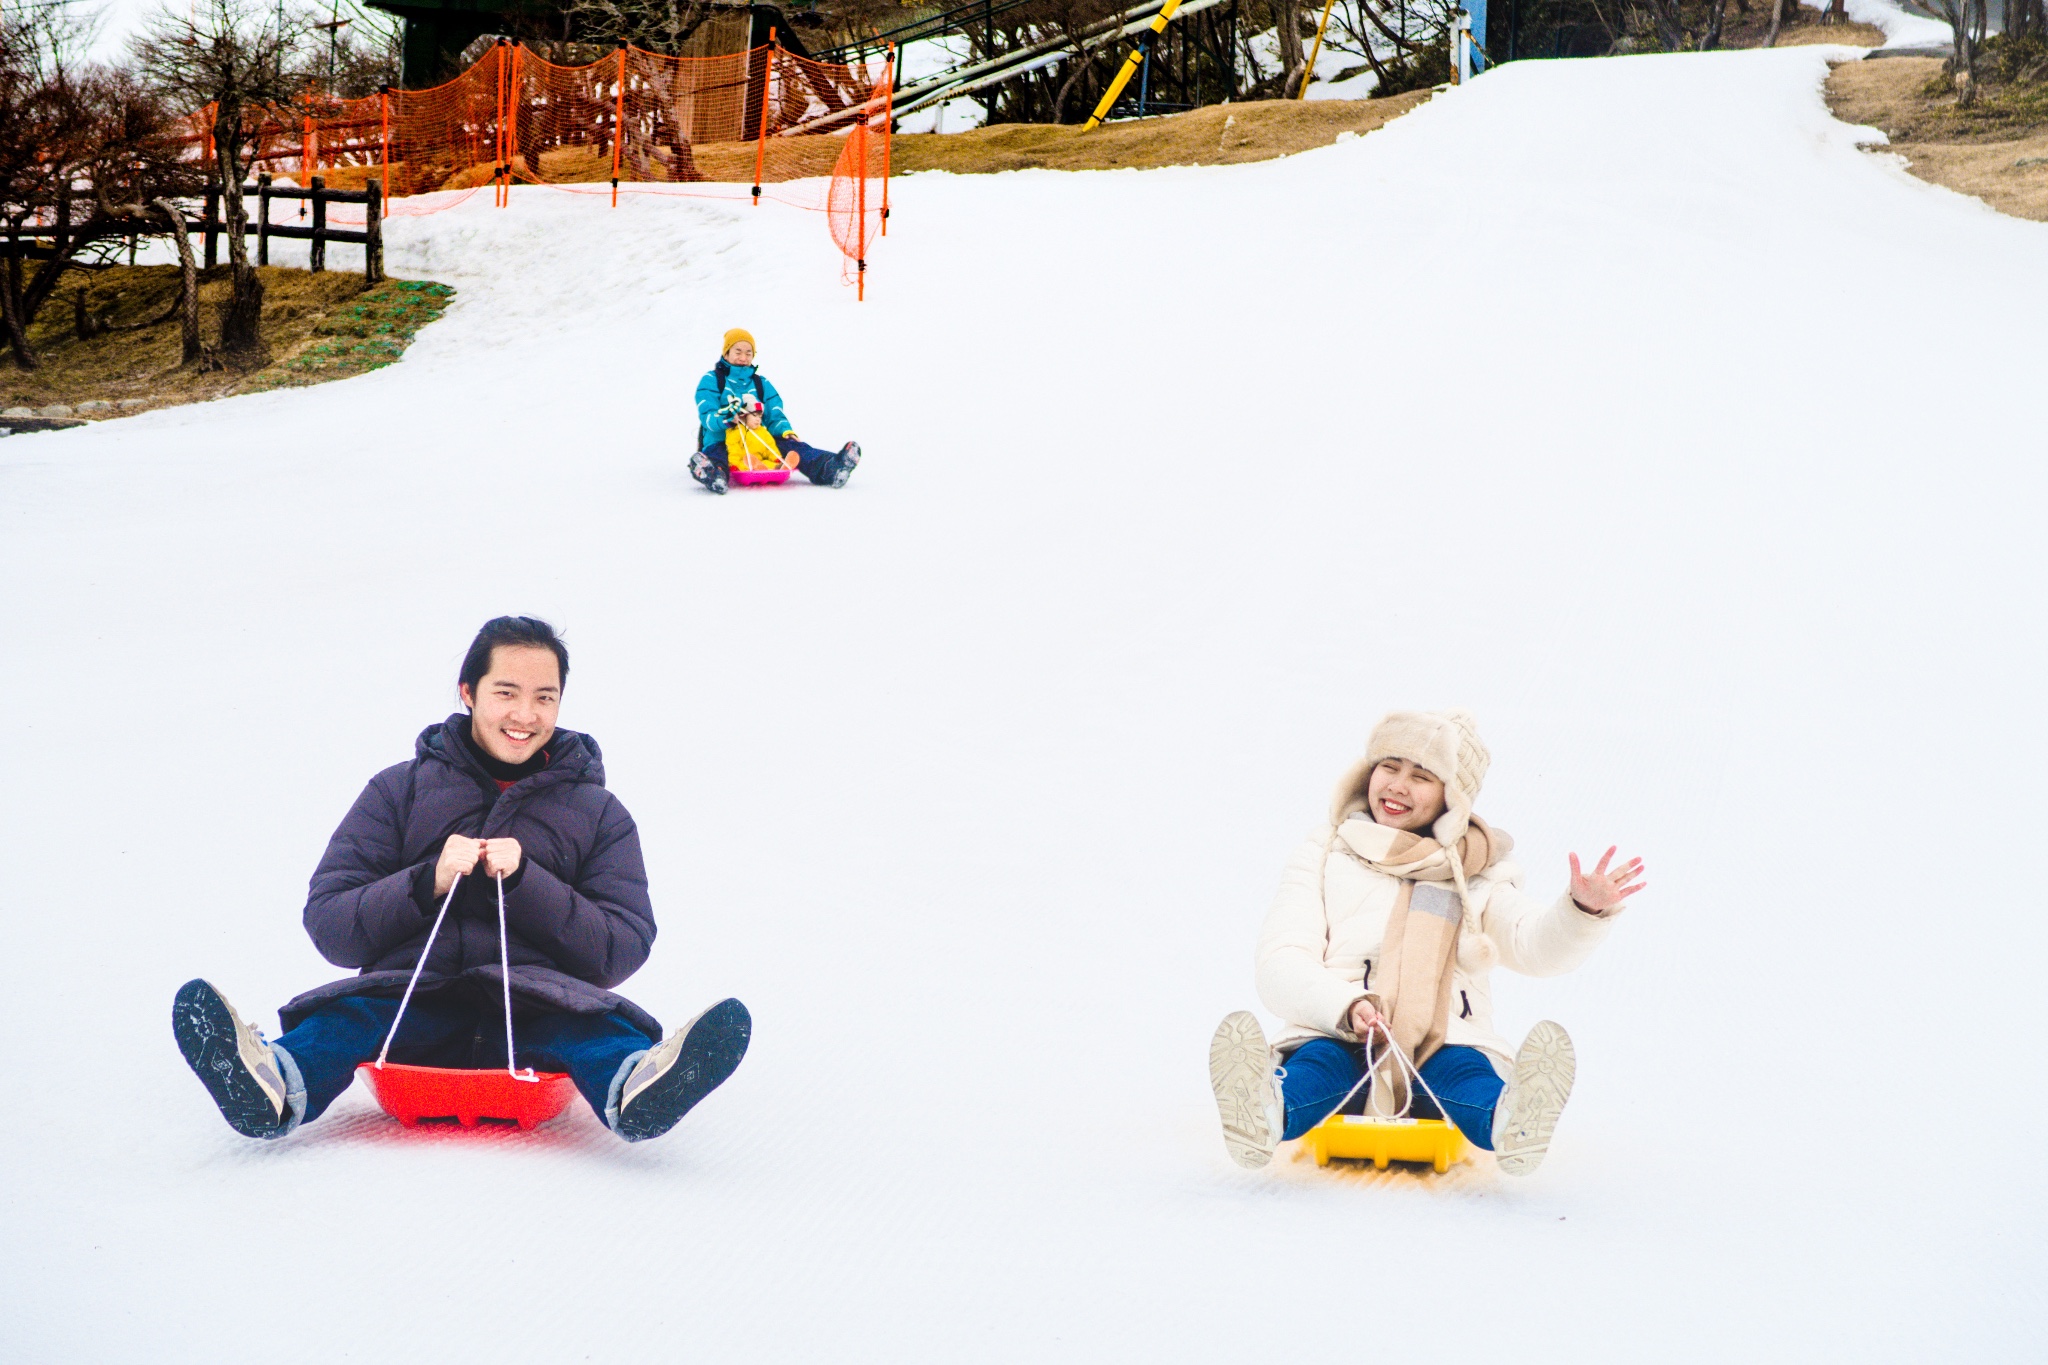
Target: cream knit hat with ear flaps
1446, 743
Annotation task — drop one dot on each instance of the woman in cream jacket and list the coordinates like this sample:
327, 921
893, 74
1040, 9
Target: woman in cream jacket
1387, 924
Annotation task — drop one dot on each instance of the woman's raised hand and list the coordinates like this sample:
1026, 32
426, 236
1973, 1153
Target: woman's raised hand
1601, 891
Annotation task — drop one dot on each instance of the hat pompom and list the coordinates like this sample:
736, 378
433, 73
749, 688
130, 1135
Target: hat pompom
1477, 953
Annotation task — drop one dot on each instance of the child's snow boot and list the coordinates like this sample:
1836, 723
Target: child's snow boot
1247, 1086
670, 1078
1526, 1113
842, 465
709, 472
232, 1061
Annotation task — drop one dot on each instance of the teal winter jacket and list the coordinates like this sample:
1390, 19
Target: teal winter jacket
727, 380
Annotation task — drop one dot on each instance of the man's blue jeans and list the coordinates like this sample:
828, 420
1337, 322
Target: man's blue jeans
453, 1031
1322, 1071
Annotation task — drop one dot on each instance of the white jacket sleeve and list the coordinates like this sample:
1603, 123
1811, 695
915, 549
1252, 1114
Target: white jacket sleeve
1293, 982
1534, 938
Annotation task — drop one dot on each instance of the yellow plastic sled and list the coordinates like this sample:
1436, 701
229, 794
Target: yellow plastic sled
1381, 1140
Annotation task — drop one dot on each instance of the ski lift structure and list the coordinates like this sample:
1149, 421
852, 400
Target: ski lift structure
1384, 1138
471, 1098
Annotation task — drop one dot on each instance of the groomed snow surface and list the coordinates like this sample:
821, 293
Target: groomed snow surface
1619, 408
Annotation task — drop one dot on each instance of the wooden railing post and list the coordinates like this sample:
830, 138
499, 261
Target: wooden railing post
263, 218
319, 255
211, 218
373, 228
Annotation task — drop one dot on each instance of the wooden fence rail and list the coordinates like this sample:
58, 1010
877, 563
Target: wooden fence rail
210, 226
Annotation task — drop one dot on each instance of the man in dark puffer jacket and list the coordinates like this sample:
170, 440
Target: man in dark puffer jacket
496, 801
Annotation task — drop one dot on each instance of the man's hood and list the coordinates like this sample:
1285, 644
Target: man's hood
572, 755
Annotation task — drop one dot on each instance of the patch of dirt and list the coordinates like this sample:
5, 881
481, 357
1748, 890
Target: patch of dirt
1996, 152
319, 327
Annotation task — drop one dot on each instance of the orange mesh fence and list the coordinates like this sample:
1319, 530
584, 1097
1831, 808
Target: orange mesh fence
856, 204
745, 121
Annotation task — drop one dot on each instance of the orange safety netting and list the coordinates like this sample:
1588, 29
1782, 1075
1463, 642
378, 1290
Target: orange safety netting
746, 119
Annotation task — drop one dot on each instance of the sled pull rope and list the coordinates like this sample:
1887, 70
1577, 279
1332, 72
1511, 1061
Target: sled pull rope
417, 968
1379, 1025
505, 975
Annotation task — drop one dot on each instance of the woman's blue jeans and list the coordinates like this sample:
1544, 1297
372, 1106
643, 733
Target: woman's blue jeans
1322, 1071
330, 1042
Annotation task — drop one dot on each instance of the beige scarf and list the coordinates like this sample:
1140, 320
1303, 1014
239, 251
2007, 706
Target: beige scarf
1419, 952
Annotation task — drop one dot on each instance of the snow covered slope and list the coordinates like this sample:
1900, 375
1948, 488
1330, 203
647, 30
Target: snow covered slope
973, 778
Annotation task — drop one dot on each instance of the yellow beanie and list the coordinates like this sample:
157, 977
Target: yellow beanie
734, 337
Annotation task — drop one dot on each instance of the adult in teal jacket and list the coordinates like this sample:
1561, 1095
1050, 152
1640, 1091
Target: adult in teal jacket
735, 392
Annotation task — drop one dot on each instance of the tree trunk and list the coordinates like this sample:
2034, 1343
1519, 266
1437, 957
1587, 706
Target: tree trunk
1778, 8
1293, 61
1080, 68
241, 322
1717, 12
188, 326
10, 303
1670, 35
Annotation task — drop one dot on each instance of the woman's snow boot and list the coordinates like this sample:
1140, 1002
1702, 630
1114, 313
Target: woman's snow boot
232, 1061
1247, 1087
671, 1077
709, 472
1526, 1113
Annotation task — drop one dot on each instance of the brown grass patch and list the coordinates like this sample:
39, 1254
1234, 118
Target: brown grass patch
1803, 30
1220, 135
2002, 161
319, 327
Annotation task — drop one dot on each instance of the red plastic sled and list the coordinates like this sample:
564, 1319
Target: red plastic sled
748, 477
411, 1094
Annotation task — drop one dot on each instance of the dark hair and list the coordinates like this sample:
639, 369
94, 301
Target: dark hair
516, 631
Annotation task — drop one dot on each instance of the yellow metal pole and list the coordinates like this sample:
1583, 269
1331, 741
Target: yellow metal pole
1127, 70
1310, 69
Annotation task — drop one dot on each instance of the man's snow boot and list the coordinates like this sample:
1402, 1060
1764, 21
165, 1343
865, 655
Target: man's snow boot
842, 465
231, 1060
672, 1077
1247, 1087
708, 472
1526, 1114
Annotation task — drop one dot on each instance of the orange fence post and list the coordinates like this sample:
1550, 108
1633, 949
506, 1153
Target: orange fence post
861, 215
888, 132
512, 120
761, 150
618, 125
384, 118
498, 170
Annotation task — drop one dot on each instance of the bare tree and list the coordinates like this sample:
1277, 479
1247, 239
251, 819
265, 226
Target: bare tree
234, 60
1966, 24
655, 25
73, 139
